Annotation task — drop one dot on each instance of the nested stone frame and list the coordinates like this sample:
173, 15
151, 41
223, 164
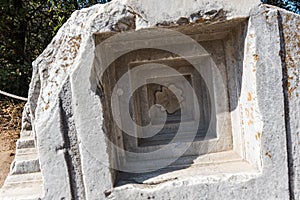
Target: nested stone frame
217, 139
164, 100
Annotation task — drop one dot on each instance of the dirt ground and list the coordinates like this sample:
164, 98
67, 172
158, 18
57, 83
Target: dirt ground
10, 126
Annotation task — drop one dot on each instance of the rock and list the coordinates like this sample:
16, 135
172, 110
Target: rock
26, 118
244, 47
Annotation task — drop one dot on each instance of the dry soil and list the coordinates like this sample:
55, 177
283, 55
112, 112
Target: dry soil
10, 126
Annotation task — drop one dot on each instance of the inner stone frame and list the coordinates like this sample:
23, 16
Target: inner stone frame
164, 100
217, 41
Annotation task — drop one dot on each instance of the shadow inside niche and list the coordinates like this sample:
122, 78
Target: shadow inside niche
124, 178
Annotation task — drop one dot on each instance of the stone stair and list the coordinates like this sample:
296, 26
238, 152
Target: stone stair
25, 180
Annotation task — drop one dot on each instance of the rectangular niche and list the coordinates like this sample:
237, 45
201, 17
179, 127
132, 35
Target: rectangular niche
163, 100
219, 144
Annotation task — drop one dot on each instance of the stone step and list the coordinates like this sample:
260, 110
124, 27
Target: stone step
26, 161
26, 151
36, 176
25, 133
25, 142
24, 186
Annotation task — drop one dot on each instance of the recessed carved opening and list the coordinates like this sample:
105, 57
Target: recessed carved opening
170, 100
166, 104
161, 101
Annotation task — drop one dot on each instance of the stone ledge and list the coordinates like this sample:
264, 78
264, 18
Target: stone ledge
204, 168
28, 186
25, 142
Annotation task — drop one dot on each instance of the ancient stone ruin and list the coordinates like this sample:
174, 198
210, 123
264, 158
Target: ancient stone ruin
140, 99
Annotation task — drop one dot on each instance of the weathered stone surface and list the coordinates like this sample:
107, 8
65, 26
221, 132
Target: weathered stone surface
69, 117
26, 142
290, 39
26, 118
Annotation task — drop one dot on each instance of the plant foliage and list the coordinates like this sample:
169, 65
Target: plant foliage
27, 26
291, 5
